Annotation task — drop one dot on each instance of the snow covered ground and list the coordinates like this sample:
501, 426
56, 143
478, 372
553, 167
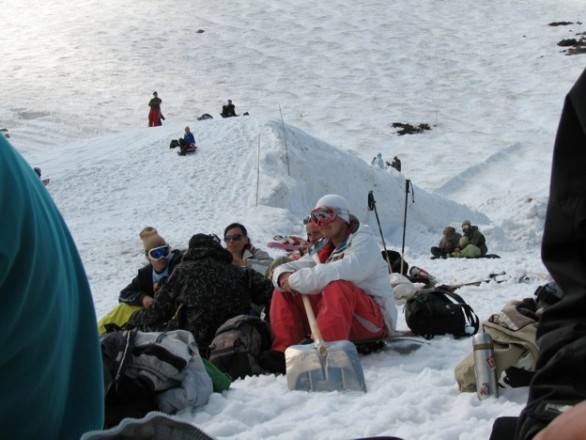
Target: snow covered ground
323, 83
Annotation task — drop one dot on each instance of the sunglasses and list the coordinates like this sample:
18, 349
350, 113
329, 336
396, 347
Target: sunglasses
233, 237
326, 214
155, 254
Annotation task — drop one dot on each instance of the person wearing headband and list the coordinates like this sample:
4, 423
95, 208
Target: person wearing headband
343, 276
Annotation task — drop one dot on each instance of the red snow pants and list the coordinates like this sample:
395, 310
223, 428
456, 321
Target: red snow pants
343, 312
154, 118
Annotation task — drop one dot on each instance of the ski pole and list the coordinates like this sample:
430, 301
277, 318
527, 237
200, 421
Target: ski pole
407, 182
372, 207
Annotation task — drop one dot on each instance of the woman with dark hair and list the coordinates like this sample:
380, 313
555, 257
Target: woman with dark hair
243, 253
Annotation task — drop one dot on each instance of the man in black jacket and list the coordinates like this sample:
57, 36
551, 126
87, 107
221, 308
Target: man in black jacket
228, 110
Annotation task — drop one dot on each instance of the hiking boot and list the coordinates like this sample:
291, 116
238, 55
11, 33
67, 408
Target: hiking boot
273, 361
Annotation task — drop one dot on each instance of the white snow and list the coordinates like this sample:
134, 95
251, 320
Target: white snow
323, 82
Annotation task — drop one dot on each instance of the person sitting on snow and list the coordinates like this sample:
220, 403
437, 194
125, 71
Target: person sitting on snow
187, 144
396, 163
140, 293
472, 244
448, 243
345, 279
228, 110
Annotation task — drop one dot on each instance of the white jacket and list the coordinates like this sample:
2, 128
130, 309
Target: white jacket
257, 259
358, 259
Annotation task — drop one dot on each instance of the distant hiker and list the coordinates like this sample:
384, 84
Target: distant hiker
204, 291
228, 110
448, 243
396, 163
140, 293
244, 254
50, 362
155, 114
472, 244
378, 161
187, 144
345, 279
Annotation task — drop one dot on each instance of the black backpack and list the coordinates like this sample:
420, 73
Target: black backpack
238, 344
438, 312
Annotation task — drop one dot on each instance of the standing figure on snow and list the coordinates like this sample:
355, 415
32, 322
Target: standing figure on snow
472, 244
378, 161
228, 110
155, 114
345, 279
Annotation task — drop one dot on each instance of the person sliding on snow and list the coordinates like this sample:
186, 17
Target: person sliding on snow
187, 144
346, 281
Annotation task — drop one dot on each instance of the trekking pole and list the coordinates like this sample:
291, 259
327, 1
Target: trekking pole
407, 183
285, 138
257, 168
372, 207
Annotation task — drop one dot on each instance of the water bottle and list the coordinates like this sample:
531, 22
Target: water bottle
484, 366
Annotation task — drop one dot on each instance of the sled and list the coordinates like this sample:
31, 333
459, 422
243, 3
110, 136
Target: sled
399, 341
287, 242
532, 277
187, 151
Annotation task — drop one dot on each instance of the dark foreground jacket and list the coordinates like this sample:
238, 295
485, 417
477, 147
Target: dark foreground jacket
560, 378
209, 289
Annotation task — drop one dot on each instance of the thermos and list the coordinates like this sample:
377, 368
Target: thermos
484, 366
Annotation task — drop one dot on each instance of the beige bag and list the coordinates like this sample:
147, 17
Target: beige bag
514, 336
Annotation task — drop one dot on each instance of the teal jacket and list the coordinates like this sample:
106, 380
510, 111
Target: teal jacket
51, 381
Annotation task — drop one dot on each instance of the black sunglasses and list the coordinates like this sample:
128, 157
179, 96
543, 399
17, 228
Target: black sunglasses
233, 237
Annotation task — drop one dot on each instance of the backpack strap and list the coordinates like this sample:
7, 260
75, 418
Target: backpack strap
471, 317
123, 357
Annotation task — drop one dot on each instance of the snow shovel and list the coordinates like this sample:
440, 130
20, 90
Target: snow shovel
321, 366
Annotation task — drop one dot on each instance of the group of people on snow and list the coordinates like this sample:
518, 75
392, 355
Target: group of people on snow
339, 268
156, 117
470, 244
379, 162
